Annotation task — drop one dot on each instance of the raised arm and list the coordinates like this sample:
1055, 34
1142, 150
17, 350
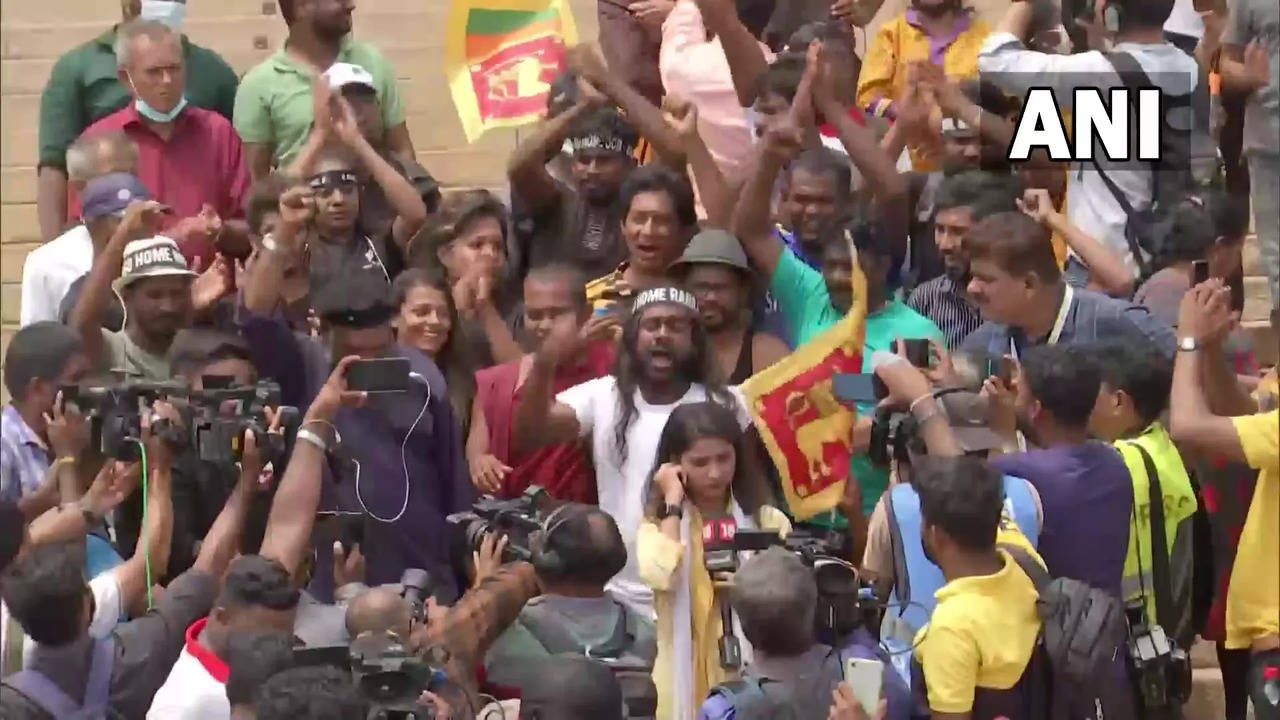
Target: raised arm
1106, 267
1191, 422
542, 420
222, 542
642, 114
157, 532
746, 59
527, 165
411, 212
682, 117
293, 511
140, 220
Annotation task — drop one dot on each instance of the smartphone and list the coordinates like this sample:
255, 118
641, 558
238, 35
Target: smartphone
1002, 368
917, 352
384, 375
859, 388
864, 678
340, 526
1199, 271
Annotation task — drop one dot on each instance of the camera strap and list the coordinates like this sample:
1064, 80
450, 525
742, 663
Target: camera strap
1159, 544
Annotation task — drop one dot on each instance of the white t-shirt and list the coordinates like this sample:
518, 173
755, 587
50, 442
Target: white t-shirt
1090, 205
620, 486
49, 271
191, 692
1184, 20
107, 611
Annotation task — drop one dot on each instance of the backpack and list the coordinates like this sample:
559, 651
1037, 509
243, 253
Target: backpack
633, 670
755, 697
1083, 630
39, 689
1183, 144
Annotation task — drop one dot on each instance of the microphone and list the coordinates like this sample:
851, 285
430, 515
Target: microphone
720, 556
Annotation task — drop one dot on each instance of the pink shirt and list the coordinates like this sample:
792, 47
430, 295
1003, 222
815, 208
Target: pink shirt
696, 69
202, 162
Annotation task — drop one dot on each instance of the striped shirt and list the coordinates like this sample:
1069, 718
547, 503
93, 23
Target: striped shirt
23, 457
942, 302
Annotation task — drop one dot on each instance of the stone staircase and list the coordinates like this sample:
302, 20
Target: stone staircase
1255, 319
1207, 702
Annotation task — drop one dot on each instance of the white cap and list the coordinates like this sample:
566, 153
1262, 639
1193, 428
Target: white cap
342, 74
151, 257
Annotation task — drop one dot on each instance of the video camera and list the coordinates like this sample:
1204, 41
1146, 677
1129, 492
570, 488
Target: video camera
518, 519
114, 412
416, 586
392, 678
219, 417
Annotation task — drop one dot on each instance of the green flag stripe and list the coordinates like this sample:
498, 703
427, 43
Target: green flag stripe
500, 22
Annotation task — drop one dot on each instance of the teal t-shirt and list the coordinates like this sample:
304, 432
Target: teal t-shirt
803, 300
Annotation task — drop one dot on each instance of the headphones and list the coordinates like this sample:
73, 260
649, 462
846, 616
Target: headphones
547, 561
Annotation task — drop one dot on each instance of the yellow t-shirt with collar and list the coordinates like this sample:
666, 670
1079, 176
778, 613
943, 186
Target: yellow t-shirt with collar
981, 634
1253, 599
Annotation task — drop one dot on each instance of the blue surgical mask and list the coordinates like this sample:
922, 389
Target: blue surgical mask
166, 11
152, 114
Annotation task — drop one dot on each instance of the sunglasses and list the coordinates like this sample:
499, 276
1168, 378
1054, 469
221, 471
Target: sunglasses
335, 180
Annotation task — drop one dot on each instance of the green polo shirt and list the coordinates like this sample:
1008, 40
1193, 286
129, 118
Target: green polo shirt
804, 302
84, 88
273, 106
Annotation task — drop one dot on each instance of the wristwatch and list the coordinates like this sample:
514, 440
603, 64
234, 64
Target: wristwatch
1188, 344
269, 243
669, 510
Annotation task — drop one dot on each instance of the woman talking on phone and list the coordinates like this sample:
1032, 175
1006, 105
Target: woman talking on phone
693, 486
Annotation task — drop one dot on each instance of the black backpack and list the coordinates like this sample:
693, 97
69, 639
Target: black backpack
40, 690
1184, 140
1083, 632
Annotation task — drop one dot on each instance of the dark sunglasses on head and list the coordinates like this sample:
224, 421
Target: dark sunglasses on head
326, 182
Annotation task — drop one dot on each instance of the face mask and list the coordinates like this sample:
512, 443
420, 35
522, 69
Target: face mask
152, 114
166, 11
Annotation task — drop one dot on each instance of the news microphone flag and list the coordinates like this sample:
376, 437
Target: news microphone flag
807, 431
501, 57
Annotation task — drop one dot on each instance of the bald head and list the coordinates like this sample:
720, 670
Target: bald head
379, 610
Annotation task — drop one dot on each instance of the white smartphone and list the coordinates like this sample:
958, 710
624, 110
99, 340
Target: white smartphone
864, 678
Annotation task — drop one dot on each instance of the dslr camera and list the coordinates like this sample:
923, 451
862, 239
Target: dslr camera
1161, 670
518, 519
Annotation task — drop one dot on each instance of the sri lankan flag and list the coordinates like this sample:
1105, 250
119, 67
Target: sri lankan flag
500, 59
808, 432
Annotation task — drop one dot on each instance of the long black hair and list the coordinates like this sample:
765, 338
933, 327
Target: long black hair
627, 371
1196, 224
453, 359
688, 424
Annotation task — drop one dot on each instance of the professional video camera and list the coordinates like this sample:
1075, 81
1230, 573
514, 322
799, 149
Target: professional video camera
392, 678
219, 417
518, 519
894, 436
844, 603
114, 412
1161, 670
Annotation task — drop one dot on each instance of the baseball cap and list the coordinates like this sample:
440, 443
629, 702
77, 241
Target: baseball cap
111, 194
712, 246
355, 301
342, 74
152, 257
967, 413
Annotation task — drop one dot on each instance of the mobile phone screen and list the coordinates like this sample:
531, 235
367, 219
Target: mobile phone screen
1199, 271
859, 388
917, 352
381, 375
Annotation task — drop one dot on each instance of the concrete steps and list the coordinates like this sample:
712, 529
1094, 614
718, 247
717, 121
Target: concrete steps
1207, 701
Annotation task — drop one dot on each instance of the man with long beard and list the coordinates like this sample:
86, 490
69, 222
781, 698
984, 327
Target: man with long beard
664, 361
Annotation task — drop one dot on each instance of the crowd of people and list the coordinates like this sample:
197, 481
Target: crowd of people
294, 432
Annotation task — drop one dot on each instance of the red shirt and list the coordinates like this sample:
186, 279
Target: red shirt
202, 162
564, 470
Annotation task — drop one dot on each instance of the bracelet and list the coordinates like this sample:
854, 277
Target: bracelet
337, 436
64, 460
935, 412
310, 437
917, 401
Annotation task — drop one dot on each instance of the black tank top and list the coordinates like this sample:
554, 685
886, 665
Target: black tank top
743, 369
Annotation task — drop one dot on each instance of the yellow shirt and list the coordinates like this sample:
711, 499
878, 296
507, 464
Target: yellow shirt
1253, 599
982, 634
898, 43
659, 558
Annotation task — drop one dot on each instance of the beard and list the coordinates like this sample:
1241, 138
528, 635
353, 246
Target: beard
958, 273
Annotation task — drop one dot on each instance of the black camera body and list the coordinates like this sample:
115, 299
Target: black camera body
219, 418
415, 587
1160, 669
392, 678
517, 519
114, 412
894, 436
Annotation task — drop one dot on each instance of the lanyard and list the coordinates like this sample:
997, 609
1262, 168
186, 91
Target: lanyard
1058, 324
